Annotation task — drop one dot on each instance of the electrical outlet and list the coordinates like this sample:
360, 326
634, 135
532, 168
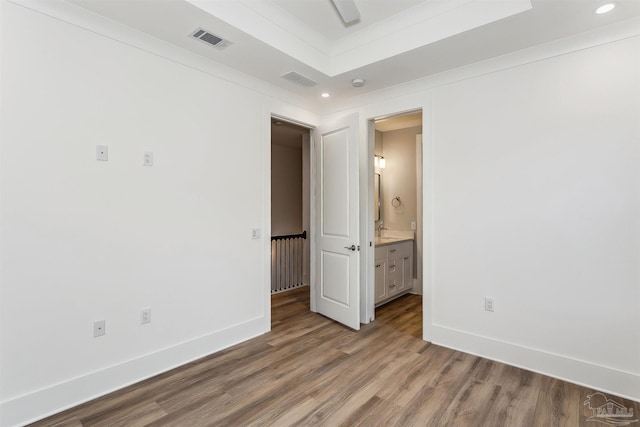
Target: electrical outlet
414, 225
145, 315
489, 304
102, 153
99, 328
256, 233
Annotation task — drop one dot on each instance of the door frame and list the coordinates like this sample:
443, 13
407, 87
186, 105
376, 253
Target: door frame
312, 216
368, 311
362, 238
366, 195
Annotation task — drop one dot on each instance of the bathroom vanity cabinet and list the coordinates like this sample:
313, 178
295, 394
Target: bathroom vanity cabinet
393, 269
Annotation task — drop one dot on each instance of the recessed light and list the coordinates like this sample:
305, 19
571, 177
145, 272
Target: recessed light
324, 95
605, 8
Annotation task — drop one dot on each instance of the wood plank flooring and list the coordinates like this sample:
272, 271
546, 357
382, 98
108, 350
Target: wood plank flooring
311, 371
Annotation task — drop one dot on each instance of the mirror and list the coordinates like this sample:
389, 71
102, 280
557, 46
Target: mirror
376, 197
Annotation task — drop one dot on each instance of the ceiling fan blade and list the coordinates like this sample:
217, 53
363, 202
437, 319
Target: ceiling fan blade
347, 10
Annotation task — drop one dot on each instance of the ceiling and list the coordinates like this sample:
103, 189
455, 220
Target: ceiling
399, 121
395, 41
321, 16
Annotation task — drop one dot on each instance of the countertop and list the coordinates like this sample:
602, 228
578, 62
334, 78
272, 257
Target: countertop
383, 241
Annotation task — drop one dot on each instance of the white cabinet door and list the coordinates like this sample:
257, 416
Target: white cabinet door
405, 258
381, 280
407, 272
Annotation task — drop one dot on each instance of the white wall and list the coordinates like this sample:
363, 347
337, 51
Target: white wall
535, 203
377, 151
286, 189
378, 143
531, 186
84, 240
398, 178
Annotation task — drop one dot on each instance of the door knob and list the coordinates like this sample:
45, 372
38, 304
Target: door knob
351, 248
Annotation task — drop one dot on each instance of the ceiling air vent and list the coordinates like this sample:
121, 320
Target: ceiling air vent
298, 78
211, 39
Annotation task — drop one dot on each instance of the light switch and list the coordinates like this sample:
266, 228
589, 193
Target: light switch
102, 153
256, 233
148, 158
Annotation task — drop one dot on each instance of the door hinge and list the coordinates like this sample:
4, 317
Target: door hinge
358, 247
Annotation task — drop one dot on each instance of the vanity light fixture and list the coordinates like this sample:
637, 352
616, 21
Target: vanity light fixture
605, 8
380, 162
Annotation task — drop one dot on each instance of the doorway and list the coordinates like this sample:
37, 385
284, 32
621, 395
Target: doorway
330, 151
333, 219
290, 207
396, 149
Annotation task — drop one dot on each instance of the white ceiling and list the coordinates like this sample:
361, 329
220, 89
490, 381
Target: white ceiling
400, 121
396, 40
321, 16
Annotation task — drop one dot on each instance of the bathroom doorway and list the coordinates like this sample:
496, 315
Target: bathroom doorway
396, 151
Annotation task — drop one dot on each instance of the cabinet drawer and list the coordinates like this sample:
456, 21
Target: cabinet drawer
393, 267
393, 286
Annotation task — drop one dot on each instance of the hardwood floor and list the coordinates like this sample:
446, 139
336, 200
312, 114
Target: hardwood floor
311, 371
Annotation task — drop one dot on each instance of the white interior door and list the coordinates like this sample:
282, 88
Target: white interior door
336, 255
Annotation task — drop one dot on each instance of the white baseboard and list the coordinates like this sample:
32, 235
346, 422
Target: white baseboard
608, 380
42, 403
51, 400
